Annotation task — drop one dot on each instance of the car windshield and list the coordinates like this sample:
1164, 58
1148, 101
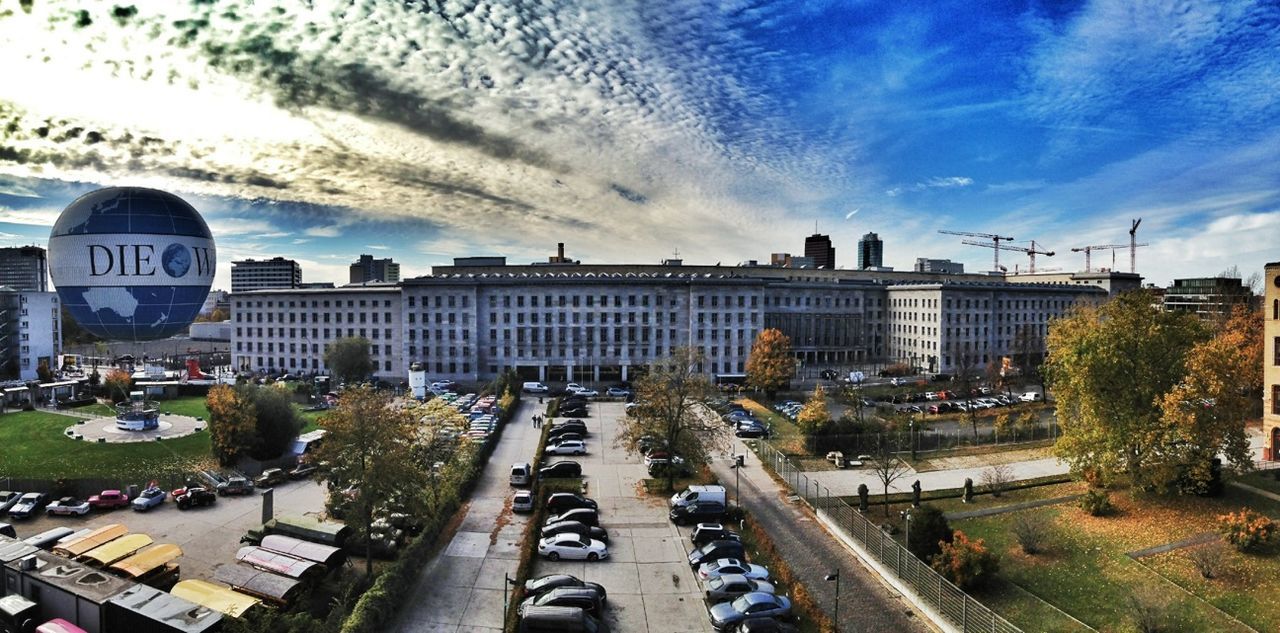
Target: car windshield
741, 604
543, 582
715, 583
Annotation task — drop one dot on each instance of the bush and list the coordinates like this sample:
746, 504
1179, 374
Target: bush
1246, 530
967, 563
277, 422
1097, 502
1207, 559
1030, 533
929, 529
1150, 609
997, 478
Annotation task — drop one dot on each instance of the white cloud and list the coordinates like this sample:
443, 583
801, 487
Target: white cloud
323, 231
378, 247
32, 216
937, 182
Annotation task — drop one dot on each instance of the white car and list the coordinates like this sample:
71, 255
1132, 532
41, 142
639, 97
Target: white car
522, 502
572, 547
1031, 396
68, 505
587, 393
568, 447
720, 567
573, 387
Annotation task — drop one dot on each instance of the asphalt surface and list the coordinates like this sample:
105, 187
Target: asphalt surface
866, 604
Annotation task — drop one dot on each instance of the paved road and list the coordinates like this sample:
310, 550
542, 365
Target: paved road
651, 588
866, 604
462, 588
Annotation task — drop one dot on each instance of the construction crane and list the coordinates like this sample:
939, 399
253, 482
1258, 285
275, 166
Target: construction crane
1031, 252
1087, 250
995, 243
1133, 246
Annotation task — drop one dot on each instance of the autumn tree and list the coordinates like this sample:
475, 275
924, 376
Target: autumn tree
117, 383
966, 562
43, 373
670, 410
771, 364
887, 468
1109, 367
814, 415
276, 421
348, 360
233, 422
369, 449
1205, 413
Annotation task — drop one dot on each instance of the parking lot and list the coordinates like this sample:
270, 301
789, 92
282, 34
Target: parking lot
209, 537
650, 586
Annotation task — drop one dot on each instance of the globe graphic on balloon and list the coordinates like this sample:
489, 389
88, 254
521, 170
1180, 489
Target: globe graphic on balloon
132, 264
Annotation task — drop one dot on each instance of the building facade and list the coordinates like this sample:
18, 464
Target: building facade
24, 268
818, 248
870, 251
367, 269
1111, 281
289, 330
1271, 362
30, 332
1209, 298
248, 275
943, 266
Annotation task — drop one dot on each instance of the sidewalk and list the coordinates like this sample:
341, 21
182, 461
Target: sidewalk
462, 588
866, 604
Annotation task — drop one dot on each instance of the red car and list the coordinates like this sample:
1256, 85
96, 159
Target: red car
109, 499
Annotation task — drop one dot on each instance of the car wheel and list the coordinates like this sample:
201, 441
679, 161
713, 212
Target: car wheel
593, 557
553, 556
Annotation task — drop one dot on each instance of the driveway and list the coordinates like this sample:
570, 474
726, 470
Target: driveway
651, 588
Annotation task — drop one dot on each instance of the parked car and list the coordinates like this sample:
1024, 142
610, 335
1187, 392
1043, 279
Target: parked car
194, 496
588, 516
734, 565
109, 499
764, 625
561, 469
558, 432
617, 392
751, 431
522, 501
149, 498
28, 505
754, 604
271, 477
695, 512
704, 533
588, 393
67, 506
8, 499
1031, 396
576, 412
576, 527
568, 447
302, 470
584, 598
534, 387
564, 501
662, 467
235, 486
566, 436
572, 547
538, 586
559, 620
715, 550
730, 586
521, 474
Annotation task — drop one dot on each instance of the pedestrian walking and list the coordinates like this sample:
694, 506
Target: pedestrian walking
535, 421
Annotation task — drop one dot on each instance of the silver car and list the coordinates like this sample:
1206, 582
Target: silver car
730, 586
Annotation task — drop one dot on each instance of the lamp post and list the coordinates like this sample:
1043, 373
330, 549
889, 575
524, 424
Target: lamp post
911, 437
906, 540
836, 619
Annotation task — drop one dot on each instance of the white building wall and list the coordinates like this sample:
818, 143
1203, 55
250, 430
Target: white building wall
39, 332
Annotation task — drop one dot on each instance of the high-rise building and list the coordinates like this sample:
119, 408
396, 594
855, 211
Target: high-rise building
30, 332
265, 274
1271, 362
367, 269
818, 248
24, 268
945, 266
870, 251
1207, 297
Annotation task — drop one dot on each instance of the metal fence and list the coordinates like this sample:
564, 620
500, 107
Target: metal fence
931, 588
932, 440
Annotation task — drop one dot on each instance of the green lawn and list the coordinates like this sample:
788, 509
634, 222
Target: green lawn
1086, 571
35, 447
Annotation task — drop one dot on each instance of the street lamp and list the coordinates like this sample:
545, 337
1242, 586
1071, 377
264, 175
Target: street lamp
906, 540
836, 577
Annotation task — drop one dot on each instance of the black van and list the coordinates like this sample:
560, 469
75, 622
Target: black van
559, 620
586, 598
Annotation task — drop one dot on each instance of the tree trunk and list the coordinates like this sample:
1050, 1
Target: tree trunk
885, 499
368, 542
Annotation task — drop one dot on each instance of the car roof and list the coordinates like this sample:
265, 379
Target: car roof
759, 597
564, 535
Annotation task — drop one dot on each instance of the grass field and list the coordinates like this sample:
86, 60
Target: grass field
34, 447
1086, 571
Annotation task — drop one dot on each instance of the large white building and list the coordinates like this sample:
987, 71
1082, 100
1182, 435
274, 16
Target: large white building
592, 323
253, 274
30, 332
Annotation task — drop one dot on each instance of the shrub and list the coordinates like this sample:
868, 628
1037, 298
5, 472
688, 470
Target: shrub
967, 563
1097, 502
997, 478
1246, 530
1150, 609
1207, 559
929, 529
1030, 533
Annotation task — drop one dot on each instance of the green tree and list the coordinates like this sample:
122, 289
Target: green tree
369, 449
929, 529
233, 422
814, 415
276, 421
1109, 367
670, 410
771, 364
348, 360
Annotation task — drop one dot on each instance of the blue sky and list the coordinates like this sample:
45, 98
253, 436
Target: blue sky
631, 130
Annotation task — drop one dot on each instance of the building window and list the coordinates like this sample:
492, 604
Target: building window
1275, 399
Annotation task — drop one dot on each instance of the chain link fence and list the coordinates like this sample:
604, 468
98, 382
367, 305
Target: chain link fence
931, 589
931, 440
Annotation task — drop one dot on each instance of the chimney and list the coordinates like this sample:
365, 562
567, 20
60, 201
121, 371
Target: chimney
560, 251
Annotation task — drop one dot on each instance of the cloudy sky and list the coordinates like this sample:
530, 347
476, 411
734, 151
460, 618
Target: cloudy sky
631, 130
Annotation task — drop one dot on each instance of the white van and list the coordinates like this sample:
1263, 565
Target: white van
535, 387
521, 474
699, 494
1031, 396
